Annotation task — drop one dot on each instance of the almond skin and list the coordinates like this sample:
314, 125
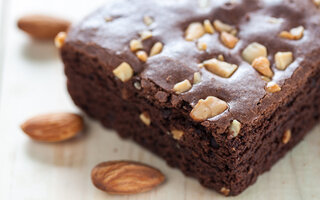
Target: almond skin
55, 127
125, 177
42, 26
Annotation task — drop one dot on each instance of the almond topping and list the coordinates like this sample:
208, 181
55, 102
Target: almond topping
208, 108
59, 39
177, 134
194, 31
145, 118
108, 19
317, 2
220, 57
182, 86
225, 191
274, 20
262, 65
294, 34
283, 60
196, 78
234, 129
220, 68
156, 49
135, 45
125, 177
124, 72
253, 51
142, 55
201, 65
266, 79
147, 20
286, 136
273, 87
202, 46
137, 85
208, 26
222, 27
145, 35
228, 40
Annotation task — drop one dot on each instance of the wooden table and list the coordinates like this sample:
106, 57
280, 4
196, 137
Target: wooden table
33, 82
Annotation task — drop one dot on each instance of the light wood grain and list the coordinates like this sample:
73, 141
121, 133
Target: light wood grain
34, 82
3, 9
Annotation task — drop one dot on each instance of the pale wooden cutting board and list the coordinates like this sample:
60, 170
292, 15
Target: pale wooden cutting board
33, 82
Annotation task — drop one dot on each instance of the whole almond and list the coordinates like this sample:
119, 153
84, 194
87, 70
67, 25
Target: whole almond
54, 127
125, 177
42, 26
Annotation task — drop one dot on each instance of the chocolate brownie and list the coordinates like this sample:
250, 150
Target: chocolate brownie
219, 89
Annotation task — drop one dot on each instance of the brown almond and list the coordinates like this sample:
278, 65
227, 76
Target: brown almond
53, 127
125, 177
42, 26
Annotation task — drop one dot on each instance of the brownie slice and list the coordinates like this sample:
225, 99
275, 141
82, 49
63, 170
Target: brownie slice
219, 89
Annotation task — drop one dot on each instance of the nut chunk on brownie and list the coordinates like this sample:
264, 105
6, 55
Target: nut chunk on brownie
219, 89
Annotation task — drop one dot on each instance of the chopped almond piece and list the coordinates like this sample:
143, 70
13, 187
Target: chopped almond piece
222, 27
108, 19
220, 68
142, 55
145, 35
253, 51
266, 79
229, 40
177, 134
220, 57
201, 65
283, 60
262, 65
194, 31
208, 108
273, 87
182, 86
286, 136
208, 26
147, 20
145, 118
137, 85
196, 78
135, 45
59, 39
202, 46
274, 20
156, 49
294, 34
225, 191
234, 129
124, 72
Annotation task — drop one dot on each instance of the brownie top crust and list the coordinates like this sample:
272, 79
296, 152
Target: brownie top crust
229, 42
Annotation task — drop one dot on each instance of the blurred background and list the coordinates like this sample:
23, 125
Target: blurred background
32, 81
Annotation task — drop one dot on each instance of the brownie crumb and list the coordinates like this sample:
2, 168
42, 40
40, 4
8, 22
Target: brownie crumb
162, 96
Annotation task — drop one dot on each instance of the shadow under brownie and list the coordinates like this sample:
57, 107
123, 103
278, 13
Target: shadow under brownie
153, 104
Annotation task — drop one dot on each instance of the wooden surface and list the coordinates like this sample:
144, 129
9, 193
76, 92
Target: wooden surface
33, 82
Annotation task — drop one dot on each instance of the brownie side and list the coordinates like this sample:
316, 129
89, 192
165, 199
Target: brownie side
216, 161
